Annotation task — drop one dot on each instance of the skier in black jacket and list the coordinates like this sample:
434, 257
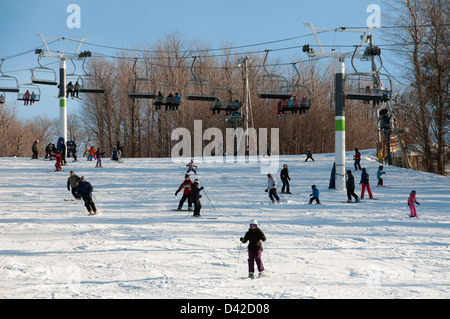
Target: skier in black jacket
195, 197
254, 236
351, 187
284, 175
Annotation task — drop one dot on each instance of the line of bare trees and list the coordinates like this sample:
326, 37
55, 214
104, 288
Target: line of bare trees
421, 34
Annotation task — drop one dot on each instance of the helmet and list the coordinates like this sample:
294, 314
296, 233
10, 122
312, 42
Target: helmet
253, 222
187, 175
196, 181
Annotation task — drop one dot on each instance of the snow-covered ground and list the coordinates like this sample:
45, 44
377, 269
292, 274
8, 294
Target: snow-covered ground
138, 247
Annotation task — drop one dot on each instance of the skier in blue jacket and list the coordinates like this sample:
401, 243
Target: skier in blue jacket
314, 195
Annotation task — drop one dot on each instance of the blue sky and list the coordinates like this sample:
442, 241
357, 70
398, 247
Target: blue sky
129, 23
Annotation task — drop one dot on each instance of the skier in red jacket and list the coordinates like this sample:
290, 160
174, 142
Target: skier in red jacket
58, 161
186, 185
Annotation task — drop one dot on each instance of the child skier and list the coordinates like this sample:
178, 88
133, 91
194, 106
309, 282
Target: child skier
411, 202
186, 186
314, 195
272, 188
254, 236
58, 161
190, 167
379, 174
99, 159
365, 183
309, 155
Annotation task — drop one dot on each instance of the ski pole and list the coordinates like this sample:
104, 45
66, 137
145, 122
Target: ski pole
283, 197
209, 199
239, 253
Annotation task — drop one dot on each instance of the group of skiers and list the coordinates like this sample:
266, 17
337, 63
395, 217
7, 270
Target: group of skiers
191, 191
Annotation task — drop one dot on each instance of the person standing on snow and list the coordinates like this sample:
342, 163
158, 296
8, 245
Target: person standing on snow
34, 149
72, 181
365, 183
411, 201
58, 161
98, 154
254, 236
314, 195
379, 174
186, 186
195, 197
309, 155
357, 159
284, 175
85, 190
272, 188
350, 183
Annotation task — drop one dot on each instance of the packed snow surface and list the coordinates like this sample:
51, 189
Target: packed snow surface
138, 247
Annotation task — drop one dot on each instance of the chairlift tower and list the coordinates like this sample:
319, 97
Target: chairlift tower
339, 97
62, 127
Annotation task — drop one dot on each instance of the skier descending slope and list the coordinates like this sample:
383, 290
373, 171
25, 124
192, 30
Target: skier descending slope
85, 189
195, 197
254, 236
186, 186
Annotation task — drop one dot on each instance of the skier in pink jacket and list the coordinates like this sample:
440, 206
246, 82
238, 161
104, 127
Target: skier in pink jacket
411, 202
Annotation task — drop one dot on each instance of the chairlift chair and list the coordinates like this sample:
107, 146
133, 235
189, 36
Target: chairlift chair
8, 83
226, 99
141, 88
43, 75
197, 89
300, 100
89, 84
272, 86
367, 87
33, 95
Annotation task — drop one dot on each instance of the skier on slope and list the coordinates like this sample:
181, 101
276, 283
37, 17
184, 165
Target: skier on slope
190, 167
357, 159
309, 155
186, 186
314, 195
85, 190
58, 161
284, 175
272, 188
195, 197
350, 184
72, 181
254, 236
411, 201
365, 183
